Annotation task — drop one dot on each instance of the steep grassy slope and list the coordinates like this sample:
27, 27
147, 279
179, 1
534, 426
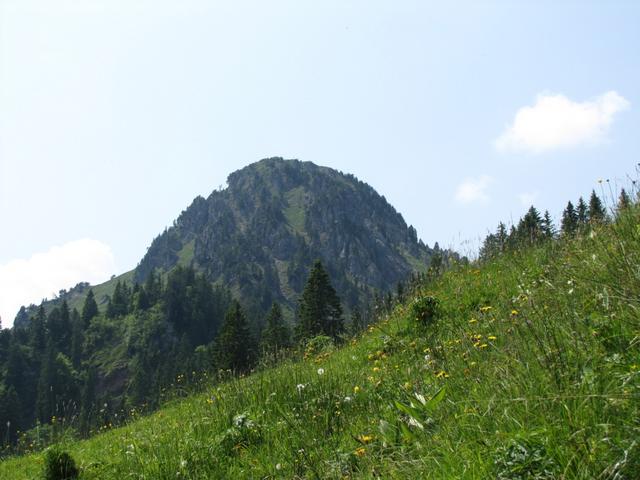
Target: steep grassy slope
529, 370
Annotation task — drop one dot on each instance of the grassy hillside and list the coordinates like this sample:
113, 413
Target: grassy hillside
529, 370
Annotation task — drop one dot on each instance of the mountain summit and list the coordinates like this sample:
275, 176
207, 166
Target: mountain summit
260, 235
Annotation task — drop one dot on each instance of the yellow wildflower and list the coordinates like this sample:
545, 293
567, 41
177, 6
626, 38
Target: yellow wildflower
360, 452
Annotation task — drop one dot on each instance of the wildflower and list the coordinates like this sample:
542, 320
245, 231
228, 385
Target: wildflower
514, 312
492, 337
183, 463
376, 369
427, 358
472, 321
486, 308
356, 389
300, 387
278, 466
442, 374
366, 438
321, 371
484, 345
347, 399
360, 452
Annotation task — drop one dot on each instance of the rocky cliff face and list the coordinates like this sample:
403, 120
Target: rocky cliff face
260, 235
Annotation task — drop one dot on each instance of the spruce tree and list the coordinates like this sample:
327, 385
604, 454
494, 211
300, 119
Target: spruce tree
582, 212
624, 201
276, 334
77, 338
90, 309
569, 222
234, 348
548, 230
597, 212
319, 311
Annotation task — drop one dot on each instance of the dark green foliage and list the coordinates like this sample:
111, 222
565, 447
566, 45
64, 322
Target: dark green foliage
624, 201
234, 349
424, 310
597, 212
77, 339
582, 212
319, 311
276, 334
10, 414
569, 223
357, 321
90, 309
59, 465
119, 303
59, 327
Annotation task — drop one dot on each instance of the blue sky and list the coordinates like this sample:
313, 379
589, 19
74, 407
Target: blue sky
115, 114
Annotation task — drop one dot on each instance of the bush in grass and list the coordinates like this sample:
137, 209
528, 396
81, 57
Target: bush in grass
243, 433
59, 465
524, 459
423, 311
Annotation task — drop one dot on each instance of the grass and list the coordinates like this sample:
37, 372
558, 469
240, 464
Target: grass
295, 210
530, 370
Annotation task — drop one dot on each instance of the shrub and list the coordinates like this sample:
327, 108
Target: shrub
524, 459
59, 465
424, 310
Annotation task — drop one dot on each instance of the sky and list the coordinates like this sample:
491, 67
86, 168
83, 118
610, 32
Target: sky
115, 114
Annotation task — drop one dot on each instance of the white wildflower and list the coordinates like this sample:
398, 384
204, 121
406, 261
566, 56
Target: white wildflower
321, 371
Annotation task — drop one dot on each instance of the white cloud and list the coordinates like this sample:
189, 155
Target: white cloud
527, 198
23, 282
556, 122
473, 190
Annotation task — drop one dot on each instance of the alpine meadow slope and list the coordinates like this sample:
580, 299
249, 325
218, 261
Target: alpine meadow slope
523, 366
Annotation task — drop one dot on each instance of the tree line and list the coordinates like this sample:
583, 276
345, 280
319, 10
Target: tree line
92, 368
535, 228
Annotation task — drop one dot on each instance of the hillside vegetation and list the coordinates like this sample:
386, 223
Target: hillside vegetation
523, 367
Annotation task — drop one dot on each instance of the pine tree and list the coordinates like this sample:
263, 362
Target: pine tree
38, 331
276, 334
569, 222
45, 400
77, 338
90, 309
234, 348
582, 212
319, 311
597, 212
624, 201
548, 229
87, 400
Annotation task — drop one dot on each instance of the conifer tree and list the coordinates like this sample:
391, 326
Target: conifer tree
234, 348
38, 331
548, 229
87, 400
582, 212
77, 338
569, 222
597, 212
276, 334
319, 311
90, 309
624, 201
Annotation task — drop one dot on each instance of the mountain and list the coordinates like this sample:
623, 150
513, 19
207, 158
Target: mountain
260, 235
524, 365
